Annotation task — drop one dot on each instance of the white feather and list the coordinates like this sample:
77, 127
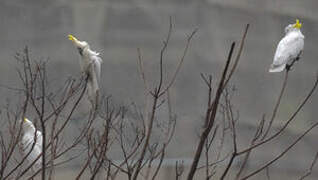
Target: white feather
28, 140
93, 80
90, 63
288, 49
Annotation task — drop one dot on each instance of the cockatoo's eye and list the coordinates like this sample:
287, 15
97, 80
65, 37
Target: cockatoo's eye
80, 50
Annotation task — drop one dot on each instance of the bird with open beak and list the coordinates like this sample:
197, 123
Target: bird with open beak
90, 64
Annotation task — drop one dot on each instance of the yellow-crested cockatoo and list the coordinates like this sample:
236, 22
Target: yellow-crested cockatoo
31, 141
90, 64
289, 48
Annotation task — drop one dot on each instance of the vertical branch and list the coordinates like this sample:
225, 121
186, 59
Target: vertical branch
42, 69
276, 106
146, 87
148, 134
212, 109
179, 168
209, 84
212, 116
208, 144
164, 48
237, 59
156, 93
180, 63
257, 135
25, 78
233, 130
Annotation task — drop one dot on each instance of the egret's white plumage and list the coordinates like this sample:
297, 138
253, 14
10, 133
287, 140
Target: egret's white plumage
90, 64
31, 138
289, 48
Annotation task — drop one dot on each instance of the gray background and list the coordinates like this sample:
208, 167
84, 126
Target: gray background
116, 28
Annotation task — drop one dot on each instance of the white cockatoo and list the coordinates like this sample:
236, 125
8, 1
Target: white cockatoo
31, 138
90, 63
289, 48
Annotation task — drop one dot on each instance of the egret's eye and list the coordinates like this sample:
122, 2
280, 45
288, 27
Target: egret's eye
80, 50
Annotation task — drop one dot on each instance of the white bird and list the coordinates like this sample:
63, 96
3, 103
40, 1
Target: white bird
289, 48
90, 64
29, 140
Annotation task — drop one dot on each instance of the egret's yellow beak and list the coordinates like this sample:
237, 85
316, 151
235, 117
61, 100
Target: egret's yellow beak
72, 38
297, 24
25, 119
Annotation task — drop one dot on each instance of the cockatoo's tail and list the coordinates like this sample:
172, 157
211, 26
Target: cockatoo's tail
297, 24
72, 38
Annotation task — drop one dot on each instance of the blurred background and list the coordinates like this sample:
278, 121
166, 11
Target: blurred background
116, 28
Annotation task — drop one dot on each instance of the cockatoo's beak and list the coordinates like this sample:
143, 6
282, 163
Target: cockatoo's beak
72, 38
297, 24
76, 42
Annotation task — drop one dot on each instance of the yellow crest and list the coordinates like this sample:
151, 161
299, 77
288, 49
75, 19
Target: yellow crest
297, 24
25, 119
72, 38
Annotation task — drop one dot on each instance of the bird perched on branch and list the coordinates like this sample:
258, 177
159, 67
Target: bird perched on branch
289, 48
90, 64
31, 143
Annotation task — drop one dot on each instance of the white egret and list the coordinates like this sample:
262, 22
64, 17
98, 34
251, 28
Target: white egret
31, 141
90, 63
289, 48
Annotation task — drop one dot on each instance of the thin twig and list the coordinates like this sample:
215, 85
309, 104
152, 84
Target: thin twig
276, 106
287, 123
309, 171
282, 153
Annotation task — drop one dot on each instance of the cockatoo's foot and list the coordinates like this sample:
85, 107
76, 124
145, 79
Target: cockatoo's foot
298, 56
288, 66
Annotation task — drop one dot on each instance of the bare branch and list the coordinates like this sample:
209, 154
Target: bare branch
308, 173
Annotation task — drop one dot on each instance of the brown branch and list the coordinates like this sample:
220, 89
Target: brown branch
180, 63
159, 165
163, 49
287, 123
15, 139
141, 70
179, 168
148, 134
24, 158
233, 131
257, 135
309, 171
42, 76
282, 153
238, 56
276, 106
212, 116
